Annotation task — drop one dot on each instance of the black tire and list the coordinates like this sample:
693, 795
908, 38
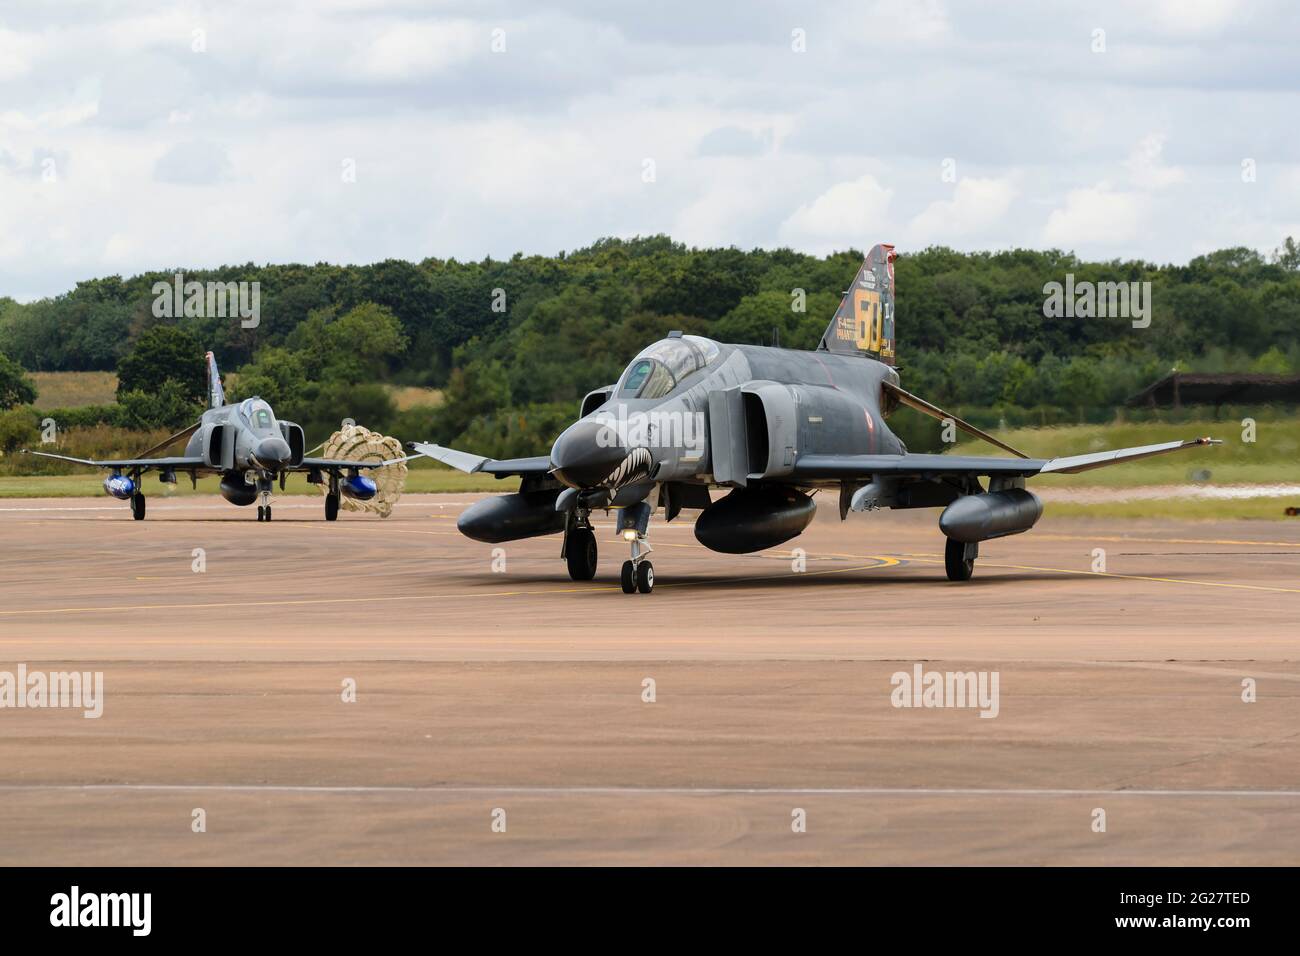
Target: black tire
580, 554
628, 578
268, 512
137, 507
261, 516
331, 507
645, 577
955, 562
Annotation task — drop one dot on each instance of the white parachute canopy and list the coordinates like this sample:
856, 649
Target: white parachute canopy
355, 443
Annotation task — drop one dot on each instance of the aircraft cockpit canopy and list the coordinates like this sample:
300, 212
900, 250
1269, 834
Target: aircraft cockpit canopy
657, 370
259, 416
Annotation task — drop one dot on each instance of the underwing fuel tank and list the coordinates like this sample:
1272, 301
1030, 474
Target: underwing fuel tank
511, 517
236, 490
973, 518
754, 518
359, 487
120, 487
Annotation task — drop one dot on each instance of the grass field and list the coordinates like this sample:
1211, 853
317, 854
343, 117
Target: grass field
425, 478
1271, 509
413, 396
446, 481
74, 389
78, 389
1273, 458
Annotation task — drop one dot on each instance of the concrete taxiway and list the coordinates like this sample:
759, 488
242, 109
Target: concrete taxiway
517, 690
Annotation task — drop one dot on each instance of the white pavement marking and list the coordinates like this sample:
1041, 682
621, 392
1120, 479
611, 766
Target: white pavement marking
642, 791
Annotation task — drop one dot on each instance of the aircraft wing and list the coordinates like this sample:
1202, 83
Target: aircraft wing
192, 462
863, 467
308, 463
473, 464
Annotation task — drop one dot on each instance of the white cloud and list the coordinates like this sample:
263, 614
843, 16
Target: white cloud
1145, 166
976, 206
17, 51
1097, 215
193, 163
1194, 17
841, 216
890, 21
413, 50
462, 152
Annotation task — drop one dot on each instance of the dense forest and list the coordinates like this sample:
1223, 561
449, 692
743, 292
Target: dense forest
515, 344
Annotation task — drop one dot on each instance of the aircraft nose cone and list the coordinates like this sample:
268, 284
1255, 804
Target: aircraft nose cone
272, 453
586, 454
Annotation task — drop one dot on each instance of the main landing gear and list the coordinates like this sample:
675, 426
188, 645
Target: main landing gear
638, 574
580, 550
332, 498
959, 560
137, 506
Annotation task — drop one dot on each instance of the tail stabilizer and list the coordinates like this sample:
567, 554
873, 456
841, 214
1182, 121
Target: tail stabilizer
216, 394
864, 322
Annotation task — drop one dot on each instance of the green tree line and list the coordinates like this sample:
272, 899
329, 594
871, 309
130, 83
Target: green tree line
515, 344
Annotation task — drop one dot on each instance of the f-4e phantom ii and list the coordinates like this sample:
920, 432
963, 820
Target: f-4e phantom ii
773, 426
247, 447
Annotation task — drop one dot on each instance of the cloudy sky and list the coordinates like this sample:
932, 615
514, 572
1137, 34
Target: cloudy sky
142, 135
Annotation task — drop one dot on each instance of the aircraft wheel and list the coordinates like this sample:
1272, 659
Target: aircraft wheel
137, 507
331, 507
645, 577
261, 513
628, 578
580, 553
268, 512
958, 566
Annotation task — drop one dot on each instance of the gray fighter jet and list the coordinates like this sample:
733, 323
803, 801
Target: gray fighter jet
247, 447
773, 426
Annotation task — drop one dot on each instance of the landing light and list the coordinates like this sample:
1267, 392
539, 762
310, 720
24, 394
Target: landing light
629, 534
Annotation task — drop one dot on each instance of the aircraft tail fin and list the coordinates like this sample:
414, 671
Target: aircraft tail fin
864, 322
216, 394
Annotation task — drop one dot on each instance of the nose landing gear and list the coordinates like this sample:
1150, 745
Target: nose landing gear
638, 574
264, 493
